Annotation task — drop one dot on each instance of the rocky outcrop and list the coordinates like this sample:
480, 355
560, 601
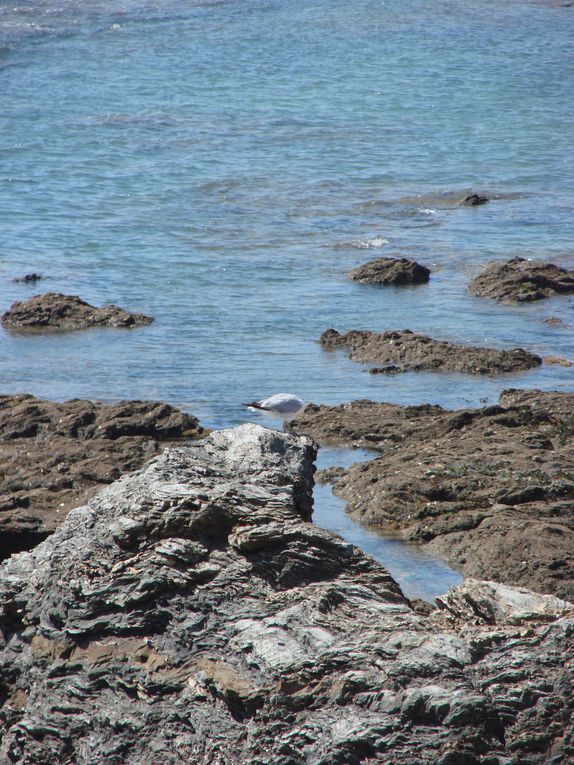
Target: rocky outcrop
519, 281
53, 311
55, 456
191, 613
390, 271
405, 350
489, 489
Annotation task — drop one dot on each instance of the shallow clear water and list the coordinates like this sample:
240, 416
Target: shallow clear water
419, 574
221, 165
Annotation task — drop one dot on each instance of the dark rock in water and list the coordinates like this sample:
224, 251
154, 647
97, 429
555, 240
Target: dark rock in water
390, 369
473, 200
390, 271
191, 613
405, 350
519, 280
29, 278
55, 311
491, 489
55, 456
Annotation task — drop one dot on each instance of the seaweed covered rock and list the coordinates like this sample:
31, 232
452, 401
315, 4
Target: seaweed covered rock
406, 350
53, 311
390, 271
519, 281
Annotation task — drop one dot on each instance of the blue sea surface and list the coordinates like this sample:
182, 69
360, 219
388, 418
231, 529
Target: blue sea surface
221, 165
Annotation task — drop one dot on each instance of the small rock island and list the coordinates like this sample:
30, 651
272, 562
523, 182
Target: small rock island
405, 350
521, 281
390, 271
54, 311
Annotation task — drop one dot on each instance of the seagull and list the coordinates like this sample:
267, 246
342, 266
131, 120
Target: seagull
286, 405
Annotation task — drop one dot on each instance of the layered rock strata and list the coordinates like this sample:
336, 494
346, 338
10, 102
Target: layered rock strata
491, 489
405, 350
191, 613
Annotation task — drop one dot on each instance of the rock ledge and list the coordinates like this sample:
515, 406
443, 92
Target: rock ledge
404, 350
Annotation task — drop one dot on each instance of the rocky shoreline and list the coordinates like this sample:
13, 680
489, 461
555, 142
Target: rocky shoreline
190, 612
490, 490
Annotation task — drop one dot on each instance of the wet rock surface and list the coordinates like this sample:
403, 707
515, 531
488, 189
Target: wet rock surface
390, 271
473, 200
520, 280
191, 613
53, 311
405, 350
55, 456
490, 490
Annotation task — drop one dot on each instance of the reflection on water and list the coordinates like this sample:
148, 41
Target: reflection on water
419, 574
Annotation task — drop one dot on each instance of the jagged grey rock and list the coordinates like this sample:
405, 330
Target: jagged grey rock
192, 613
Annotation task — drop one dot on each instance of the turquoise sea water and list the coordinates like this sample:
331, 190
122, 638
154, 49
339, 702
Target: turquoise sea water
221, 165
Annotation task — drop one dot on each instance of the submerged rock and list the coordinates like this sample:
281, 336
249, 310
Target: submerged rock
555, 321
490, 490
520, 280
55, 311
557, 361
56, 455
191, 613
29, 278
390, 271
405, 350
